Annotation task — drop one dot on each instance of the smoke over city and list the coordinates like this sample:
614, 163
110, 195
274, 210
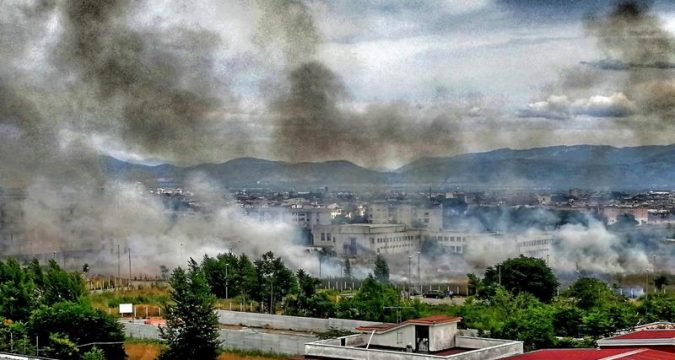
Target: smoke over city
80, 79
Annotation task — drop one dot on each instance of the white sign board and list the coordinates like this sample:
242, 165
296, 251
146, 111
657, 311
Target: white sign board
126, 308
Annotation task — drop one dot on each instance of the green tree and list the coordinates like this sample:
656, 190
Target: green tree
220, 273
61, 347
534, 327
94, 354
524, 274
80, 324
308, 302
274, 280
307, 283
59, 285
589, 293
191, 330
568, 320
658, 307
381, 270
246, 277
370, 302
17, 291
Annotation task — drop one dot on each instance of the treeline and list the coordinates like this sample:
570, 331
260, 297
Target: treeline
271, 284
518, 300
43, 310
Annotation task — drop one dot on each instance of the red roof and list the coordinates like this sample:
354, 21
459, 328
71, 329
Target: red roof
647, 334
429, 320
434, 320
595, 354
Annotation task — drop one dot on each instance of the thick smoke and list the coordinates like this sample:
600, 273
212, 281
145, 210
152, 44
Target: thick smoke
157, 85
152, 89
314, 120
634, 84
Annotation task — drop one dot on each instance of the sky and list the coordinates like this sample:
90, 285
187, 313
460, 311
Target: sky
379, 83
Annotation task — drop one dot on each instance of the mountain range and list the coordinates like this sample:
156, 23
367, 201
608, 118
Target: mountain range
556, 168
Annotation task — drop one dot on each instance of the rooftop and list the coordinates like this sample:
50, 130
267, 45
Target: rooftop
595, 354
646, 334
429, 320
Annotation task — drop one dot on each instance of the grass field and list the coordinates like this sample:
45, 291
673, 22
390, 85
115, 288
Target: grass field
150, 351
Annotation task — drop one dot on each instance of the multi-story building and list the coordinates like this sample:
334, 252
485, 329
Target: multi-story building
303, 217
367, 239
539, 246
423, 217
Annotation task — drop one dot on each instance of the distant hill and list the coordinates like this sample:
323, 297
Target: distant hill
557, 167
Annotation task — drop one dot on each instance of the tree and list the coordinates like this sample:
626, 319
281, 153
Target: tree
246, 277
17, 291
274, 280
370, 301
308, 302
191, 330
524, 274
534, 327
219, 272
307, 283
61, 347
381, 270
80, 324
658, 307
164, 271
660, 281
94, 354
61, 285
348, 269
590, 293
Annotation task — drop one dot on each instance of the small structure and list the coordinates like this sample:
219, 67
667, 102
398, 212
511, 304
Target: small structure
433, 337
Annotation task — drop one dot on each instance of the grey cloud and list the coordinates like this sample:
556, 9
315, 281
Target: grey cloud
561, 107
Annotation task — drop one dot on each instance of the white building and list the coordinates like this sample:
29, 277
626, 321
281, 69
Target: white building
423, 217
303, 217
367, 239
539, 246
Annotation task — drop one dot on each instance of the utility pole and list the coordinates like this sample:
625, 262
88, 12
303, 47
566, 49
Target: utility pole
129, 267
499, 269
119, 274
419, 278
226, 281
409, 273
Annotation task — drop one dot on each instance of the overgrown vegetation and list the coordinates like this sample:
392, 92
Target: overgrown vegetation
47, 303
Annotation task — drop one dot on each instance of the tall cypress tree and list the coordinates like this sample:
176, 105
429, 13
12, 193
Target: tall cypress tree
381, 270
191, 324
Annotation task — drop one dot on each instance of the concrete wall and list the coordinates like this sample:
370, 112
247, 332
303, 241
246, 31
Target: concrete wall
246, 339
283, 322
442, 337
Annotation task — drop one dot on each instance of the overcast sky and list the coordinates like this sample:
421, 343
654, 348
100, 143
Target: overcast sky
474, 75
